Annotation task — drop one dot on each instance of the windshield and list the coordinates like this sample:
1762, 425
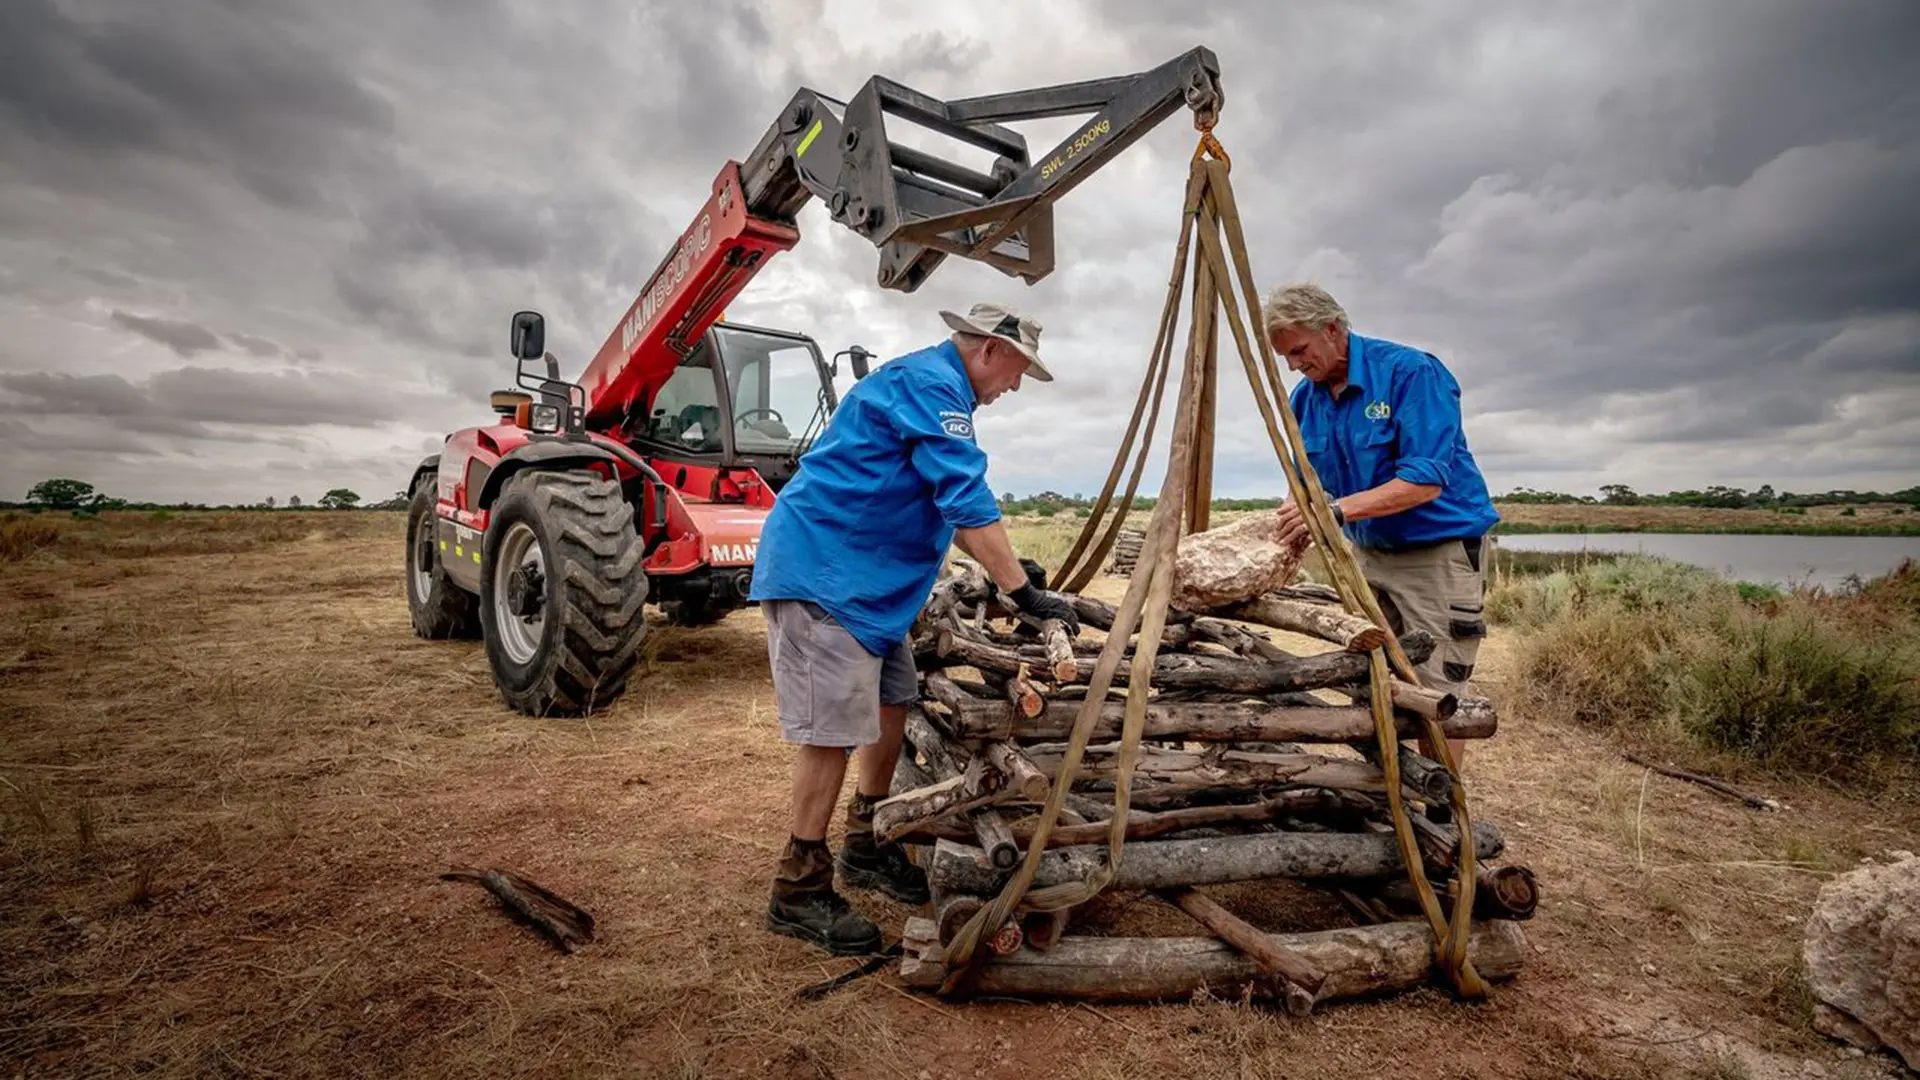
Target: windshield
776, 390
686, 411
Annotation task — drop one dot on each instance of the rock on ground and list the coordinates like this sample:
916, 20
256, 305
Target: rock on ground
1232, 563
1862, 952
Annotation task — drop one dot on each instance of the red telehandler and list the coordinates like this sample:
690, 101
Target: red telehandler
548, 531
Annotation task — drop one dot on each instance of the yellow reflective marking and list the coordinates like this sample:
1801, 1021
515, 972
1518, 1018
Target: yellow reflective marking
457, 551
476, 556
443, 545
808, 141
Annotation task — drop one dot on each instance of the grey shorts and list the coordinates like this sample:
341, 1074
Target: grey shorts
827, 687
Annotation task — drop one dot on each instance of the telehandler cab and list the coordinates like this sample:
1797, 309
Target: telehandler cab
548, 531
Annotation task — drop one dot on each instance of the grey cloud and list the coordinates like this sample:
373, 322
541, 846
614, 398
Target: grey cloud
1660, 244
198, 395
184, 338
257, 346
194, 81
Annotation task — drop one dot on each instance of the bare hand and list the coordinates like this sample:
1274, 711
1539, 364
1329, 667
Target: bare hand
1292, 524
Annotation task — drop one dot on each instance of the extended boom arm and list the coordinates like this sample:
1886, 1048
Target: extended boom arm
915, 207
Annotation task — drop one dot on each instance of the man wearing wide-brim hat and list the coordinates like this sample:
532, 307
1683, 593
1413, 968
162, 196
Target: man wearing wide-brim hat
847, 558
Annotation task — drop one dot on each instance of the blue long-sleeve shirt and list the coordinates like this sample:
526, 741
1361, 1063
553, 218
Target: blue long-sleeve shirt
1399, 416
865, 523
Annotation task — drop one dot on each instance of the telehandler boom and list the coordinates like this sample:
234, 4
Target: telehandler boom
548, 531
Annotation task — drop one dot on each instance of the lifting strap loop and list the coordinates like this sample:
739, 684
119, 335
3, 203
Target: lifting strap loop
1182, 507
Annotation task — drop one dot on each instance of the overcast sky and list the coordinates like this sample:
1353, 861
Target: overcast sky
253, 248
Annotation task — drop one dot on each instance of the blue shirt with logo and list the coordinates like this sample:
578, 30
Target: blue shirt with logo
867, 520
1399, 416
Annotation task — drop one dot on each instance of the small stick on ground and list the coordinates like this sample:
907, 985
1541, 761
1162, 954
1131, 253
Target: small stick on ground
1756, 802
563, 923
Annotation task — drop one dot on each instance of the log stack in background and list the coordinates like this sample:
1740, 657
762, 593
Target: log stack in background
1126, 552
1256, 765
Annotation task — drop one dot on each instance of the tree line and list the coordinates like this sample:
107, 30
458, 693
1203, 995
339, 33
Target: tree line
1050, 503
82, 498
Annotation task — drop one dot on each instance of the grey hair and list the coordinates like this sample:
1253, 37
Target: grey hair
1301, 303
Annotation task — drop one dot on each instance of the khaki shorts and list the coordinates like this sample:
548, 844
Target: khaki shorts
827, 687
1442, 590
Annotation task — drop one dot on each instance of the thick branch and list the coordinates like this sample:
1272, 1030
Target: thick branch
1350, 632
1358, 962
1159, 864
1177, 670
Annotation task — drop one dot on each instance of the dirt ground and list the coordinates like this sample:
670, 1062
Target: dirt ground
230, 777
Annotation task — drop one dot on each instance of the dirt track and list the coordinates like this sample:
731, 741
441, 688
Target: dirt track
229, 779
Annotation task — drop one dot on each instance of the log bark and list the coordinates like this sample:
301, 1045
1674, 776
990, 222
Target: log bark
1059, 649
1023, 776
1273, 958
978, 785
1350, 632
1359, 962
1146, 825
1159, 864
1219, 674
985, 822
1425, 777
1201, 721
1499, 892
1217, 768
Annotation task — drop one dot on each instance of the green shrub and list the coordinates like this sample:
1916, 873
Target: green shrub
160, 515
1801, 691
1848, 512
1654, 651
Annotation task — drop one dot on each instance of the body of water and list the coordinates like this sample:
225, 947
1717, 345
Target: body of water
1782, 560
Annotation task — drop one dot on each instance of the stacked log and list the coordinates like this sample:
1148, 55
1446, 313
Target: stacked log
1126, 552
1255, 764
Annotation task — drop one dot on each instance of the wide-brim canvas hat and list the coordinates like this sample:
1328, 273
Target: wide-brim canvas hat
996, 321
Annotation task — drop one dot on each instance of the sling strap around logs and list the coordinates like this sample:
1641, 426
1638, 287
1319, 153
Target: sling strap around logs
1209, 214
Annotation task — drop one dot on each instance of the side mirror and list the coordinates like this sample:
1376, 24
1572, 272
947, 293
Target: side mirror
859, 357
529, 336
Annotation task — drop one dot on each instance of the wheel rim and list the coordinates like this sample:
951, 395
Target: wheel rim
519, 552
422, 559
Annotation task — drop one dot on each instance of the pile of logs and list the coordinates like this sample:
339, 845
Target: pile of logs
1257, 764
1126, 552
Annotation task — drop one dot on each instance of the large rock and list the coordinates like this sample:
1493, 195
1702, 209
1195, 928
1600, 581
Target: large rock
1233, 563
1862, 953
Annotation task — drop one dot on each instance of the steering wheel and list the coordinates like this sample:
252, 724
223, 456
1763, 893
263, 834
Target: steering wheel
741, 418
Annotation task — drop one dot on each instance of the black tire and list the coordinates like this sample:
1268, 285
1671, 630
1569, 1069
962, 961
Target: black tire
577, 531
440, 609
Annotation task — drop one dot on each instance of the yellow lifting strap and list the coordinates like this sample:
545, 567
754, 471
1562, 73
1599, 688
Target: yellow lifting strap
1210, 213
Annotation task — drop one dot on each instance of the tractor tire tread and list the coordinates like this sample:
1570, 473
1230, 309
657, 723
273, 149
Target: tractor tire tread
603, 593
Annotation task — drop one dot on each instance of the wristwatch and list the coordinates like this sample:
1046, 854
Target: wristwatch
1339, 516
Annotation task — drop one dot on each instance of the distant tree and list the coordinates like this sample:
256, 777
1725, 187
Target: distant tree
339, 499
269, 502
60, 494
293, 501
1619, 495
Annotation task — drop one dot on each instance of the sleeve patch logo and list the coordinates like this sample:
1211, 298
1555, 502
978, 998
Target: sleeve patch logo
958, 425
1379, 410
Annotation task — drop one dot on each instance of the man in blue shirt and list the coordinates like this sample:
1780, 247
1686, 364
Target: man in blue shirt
847, 559
1380, 422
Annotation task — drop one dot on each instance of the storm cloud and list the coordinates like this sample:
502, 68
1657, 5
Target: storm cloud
272, 248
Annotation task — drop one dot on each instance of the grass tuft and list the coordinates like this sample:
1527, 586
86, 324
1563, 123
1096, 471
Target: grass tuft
1658, 651
22, 537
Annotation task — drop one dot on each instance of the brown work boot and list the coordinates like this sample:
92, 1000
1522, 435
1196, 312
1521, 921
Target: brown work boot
805, 906
867, 864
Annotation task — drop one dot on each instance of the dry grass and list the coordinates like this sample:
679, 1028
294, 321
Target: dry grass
230, 775
1866, 518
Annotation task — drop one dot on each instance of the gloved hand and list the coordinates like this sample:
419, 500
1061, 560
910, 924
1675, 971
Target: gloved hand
1042, 604
1036, 573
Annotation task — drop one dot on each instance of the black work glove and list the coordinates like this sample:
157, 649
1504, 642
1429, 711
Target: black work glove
1042, 604
1036, 573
